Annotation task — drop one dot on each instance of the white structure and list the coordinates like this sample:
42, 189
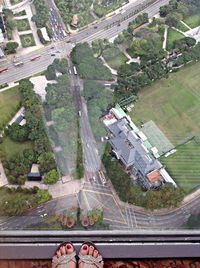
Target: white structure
45, 34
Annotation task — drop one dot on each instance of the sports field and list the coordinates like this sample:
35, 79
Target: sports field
173, 104
187, 176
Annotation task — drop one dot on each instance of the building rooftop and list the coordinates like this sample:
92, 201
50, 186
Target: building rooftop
130, 149
154, 176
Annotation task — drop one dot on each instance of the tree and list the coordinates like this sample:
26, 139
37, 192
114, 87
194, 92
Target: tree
99, 46
17, 132
46, 162
43, 196
50, 73
11, 47
173, 19
51, 177
10, 24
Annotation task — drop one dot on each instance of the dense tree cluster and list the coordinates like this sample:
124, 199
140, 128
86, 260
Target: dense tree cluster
79, 160
51, 177
17, 201
133, 77
59, 108
42, 13
40, 35
98, 99
60, 66
11, 47
167, 197
193, 54
184, 44
18, 166
127, 35
88, 66
99, 46
177, 10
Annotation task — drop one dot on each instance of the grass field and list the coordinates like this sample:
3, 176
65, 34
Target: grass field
171, 37
114, 57
27, 40
184, 166
9, 148
9, 103
193, 21
173, 104
14, 2
182, 27
20, 13
23, 25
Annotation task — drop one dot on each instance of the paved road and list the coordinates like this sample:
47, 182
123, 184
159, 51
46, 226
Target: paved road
118, 215
92, 160
111, 26
38, 215
89, 34
47, 55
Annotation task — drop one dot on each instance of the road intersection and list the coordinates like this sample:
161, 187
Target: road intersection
117, 214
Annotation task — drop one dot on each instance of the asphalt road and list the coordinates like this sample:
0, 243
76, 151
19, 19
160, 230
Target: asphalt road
119, 216
94, 194
47, 55
92, 160
107, 28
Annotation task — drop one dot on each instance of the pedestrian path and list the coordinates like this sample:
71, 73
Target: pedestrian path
113, 71
165, 37
185, 25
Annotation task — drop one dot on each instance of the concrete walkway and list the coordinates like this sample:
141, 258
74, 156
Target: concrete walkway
165, 37
17, 6
3, 179
178, 31
185, 25
40, 83
113, 71
10, 85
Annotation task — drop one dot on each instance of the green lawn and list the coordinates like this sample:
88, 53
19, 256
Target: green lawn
9, 103
171, 37
27, 40
173, 104
114, 57
14, 2
23, 25
182, 27
193, 21
184, 165
21, 13
9, 148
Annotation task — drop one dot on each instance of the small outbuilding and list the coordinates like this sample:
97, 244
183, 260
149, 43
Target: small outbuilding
34, 174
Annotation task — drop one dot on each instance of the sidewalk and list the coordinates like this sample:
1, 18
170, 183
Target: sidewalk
3, 179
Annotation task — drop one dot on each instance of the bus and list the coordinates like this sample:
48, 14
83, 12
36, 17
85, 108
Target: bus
3, 69
18, 63
35, 57
75, 71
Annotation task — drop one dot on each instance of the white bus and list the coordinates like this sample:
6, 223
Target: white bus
75, 71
